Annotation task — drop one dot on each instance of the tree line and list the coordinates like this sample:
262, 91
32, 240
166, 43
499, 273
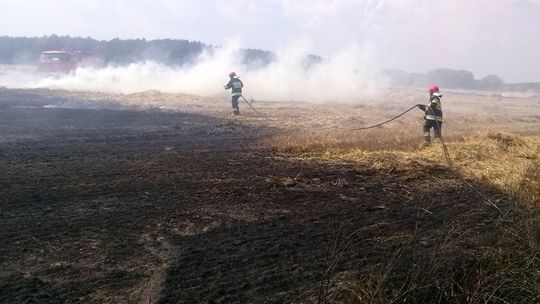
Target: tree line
448, 78
174, 52
457, 79
177, 52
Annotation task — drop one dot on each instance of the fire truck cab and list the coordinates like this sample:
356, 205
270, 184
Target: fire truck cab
66, 61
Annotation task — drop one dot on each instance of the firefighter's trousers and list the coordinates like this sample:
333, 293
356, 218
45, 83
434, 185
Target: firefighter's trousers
234, 102
437, 127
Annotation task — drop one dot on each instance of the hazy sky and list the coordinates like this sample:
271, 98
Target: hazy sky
485, 36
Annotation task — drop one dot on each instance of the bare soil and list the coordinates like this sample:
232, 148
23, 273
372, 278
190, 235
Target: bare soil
122, 205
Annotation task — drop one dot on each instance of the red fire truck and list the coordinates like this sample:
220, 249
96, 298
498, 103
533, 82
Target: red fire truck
66, 61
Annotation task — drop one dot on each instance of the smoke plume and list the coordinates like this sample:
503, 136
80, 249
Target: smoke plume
344, 76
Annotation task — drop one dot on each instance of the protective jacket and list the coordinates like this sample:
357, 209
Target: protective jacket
236, 84
434, 109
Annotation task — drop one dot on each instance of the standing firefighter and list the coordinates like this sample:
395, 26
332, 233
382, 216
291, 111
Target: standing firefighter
236, 85
433, 114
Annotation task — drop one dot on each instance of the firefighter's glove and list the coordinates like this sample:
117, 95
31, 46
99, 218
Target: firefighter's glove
421, 107
225, 87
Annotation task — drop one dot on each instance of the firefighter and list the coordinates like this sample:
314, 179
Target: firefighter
236, 85
433, 115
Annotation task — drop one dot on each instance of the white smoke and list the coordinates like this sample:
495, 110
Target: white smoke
498, 37
17, 76
347, 75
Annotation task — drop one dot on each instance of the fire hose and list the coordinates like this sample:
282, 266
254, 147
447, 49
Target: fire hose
385, 122
488, 201
458, 175
446, 156
249, 104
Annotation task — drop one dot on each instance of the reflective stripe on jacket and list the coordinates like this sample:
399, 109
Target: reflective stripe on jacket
236, 85
434, 109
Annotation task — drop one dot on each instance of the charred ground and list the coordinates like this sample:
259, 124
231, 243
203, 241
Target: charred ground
136, 206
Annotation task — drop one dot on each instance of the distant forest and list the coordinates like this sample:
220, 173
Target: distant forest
174, 52
457, 79
177, 52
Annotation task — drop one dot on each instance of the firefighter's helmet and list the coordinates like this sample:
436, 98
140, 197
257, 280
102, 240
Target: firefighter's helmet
232, 74
433, 89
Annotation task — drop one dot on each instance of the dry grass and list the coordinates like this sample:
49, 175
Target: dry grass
462, 264
317, 141
508, 161
447, 273
500, 267
497, 265
467, 263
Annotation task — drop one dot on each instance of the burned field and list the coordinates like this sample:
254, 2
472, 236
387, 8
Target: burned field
128, 205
